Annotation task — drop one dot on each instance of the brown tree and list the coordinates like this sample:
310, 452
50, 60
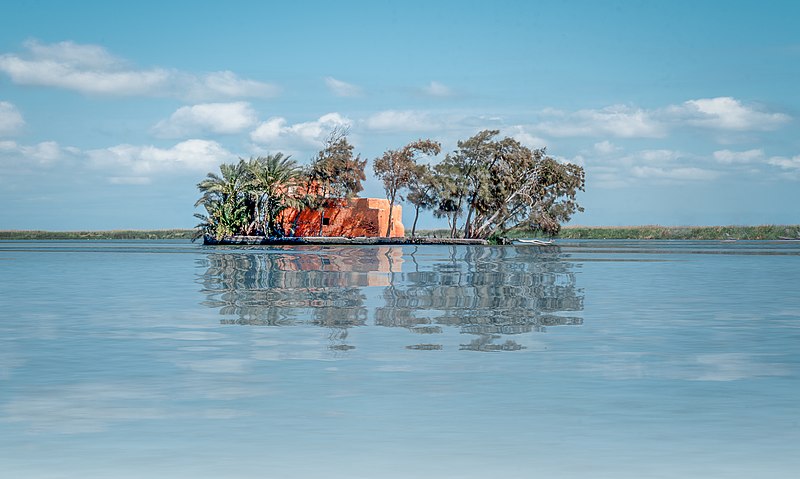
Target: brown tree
397, 168
335, 174
502, 184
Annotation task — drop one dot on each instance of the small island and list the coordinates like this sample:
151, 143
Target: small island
484, 189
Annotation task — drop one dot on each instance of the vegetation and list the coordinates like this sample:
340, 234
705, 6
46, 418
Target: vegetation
98, 235
248, 197
655, 232
497, 185
493, 184
398, 169
335, 174
762, 232
422, 192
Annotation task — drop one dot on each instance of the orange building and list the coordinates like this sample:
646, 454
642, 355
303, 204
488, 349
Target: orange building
351, 218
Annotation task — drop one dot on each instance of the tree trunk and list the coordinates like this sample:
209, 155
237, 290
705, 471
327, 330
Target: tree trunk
391, 208
414, 226
467, 228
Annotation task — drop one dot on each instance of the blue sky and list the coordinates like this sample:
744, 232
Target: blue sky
681, 112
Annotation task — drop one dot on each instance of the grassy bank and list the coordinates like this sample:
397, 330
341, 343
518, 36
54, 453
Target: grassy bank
97, 235
655, 232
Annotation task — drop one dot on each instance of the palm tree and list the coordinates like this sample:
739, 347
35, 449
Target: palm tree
271, 181
225, 199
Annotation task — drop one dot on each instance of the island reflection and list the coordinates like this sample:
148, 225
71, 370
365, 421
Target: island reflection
491, 293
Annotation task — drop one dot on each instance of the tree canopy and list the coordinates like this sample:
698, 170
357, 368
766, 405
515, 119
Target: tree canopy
398, 169
496, 185
485, 187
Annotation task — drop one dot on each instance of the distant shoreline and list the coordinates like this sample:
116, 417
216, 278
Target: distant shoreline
646, 232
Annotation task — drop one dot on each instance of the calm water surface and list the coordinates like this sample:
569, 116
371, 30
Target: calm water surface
603, 359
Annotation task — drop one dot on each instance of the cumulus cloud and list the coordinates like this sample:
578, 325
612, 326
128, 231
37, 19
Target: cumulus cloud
341, 88
10, 119
134, 161
680, 174
437, 89
277, 130
785, 163
617, 120
91, 69
227, 84
729, 157
623, 121
529, 140
605, 147
401, 120
42, 154
648, 165
726, 113
220, 118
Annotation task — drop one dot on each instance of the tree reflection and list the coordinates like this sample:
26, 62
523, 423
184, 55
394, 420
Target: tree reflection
493, 293
283, 287
489, 292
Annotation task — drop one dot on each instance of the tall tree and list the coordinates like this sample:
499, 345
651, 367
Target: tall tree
501, 184
224, 197
271, 181
422, 192
336, 173
396, 168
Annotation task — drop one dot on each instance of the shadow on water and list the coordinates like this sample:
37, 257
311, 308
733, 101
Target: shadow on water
489, 293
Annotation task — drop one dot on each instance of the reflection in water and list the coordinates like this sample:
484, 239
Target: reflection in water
489, 292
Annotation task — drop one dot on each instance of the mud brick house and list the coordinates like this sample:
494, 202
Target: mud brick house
352, 218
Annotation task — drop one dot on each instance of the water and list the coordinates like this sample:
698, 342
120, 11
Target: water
603, 359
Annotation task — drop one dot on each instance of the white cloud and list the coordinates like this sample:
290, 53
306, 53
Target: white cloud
617, 120
10, 119
785, 163
91, 69
605, 147
527, 139
401, 120
680, 173
622, 121
660, 157
132, 161
340, 88
43, 154
437, 89
729, 157
276, 130
228, 85
726, 113
221, 118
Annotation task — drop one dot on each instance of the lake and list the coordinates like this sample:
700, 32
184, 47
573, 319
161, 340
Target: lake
591, 359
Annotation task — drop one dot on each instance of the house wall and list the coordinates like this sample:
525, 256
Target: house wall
355, 217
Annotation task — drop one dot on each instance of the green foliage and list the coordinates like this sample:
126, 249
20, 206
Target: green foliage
170, 234
272, 181
655, 232
398, 169
496, 185
335, 174
422, 192
247, 197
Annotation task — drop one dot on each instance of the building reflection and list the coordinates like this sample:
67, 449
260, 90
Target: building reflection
488, 294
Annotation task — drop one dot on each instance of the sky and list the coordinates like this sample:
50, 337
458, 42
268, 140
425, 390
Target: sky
681, 112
